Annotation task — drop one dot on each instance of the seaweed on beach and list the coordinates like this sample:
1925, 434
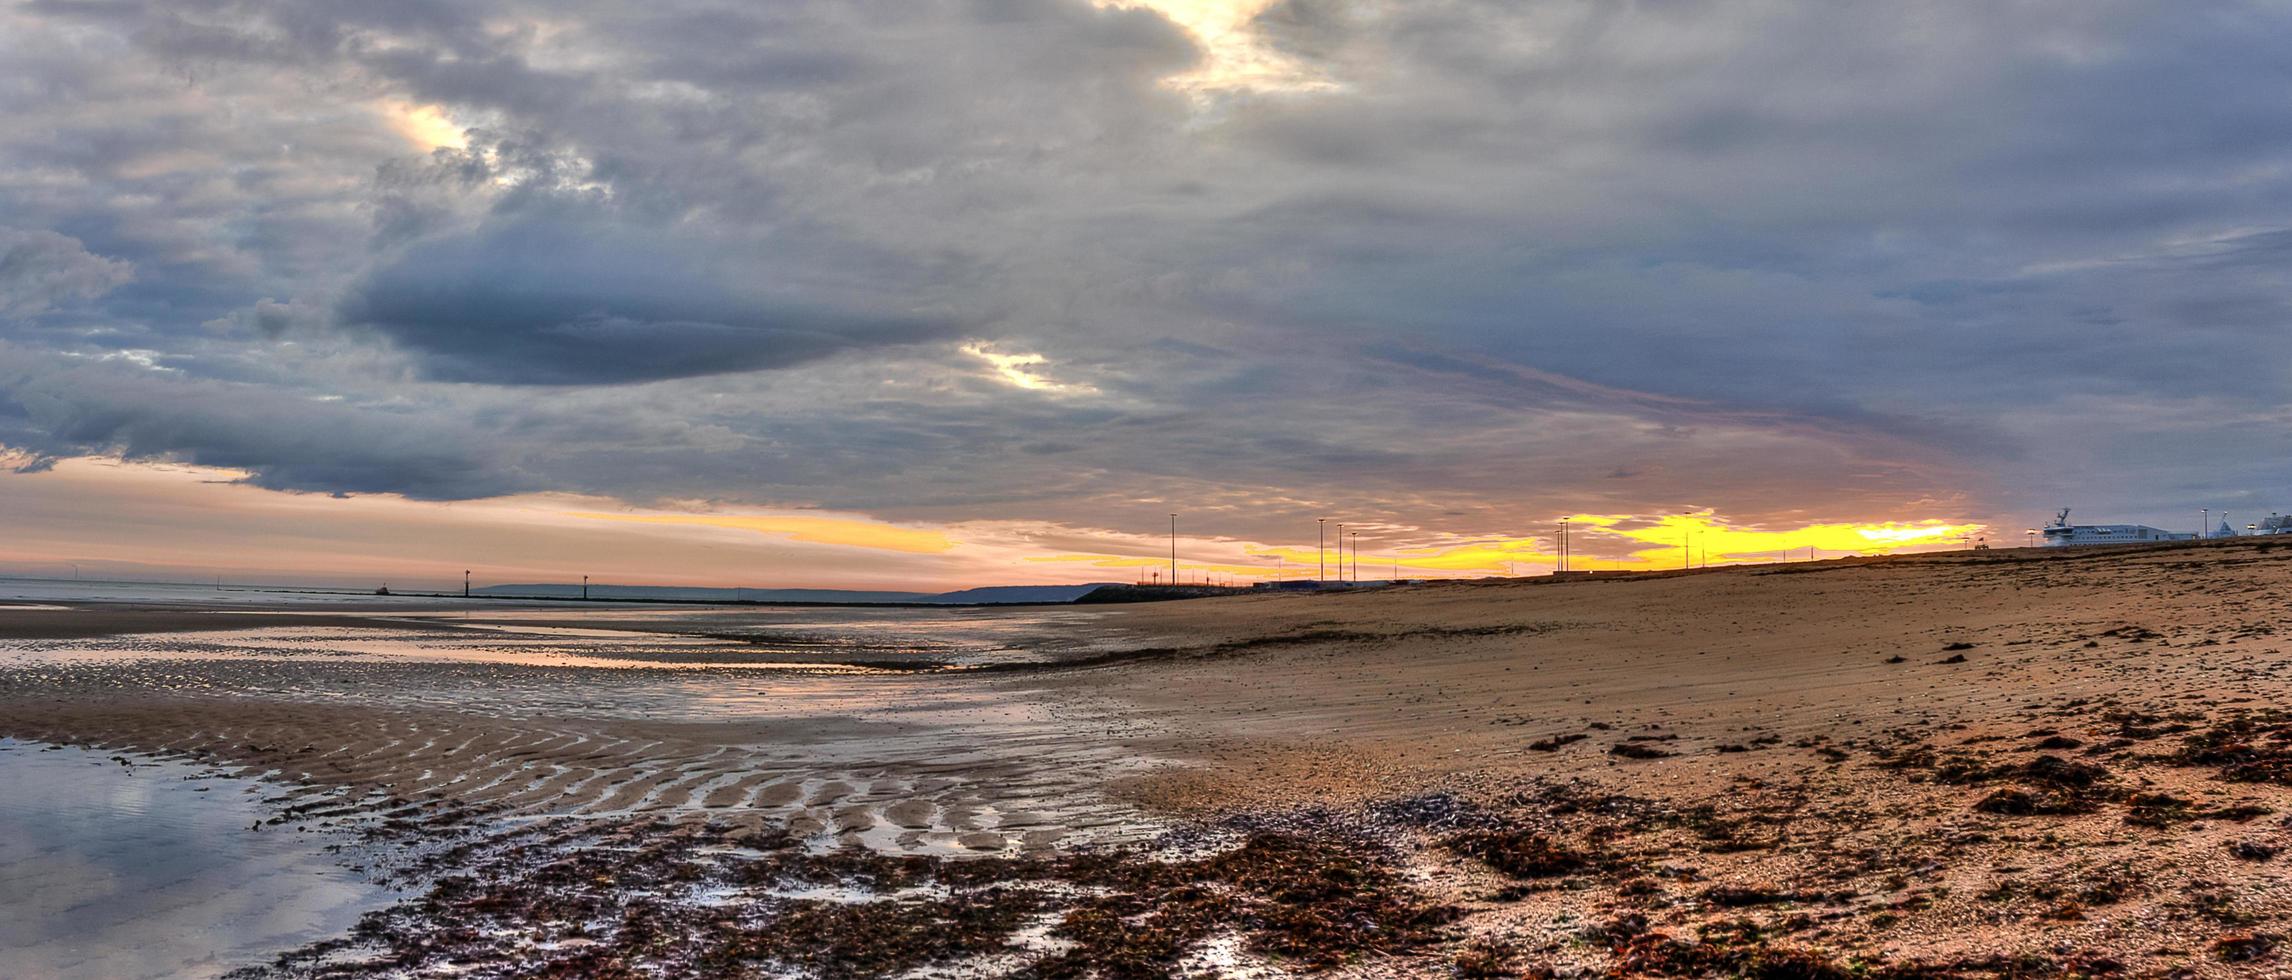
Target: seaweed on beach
1520, 853
2254, 747
653, 898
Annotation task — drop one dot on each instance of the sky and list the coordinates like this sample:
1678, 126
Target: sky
939, 293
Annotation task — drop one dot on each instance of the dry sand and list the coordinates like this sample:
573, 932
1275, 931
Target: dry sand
2001, 764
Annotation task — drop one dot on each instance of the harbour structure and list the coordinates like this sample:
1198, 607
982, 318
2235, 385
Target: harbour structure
2062, 534
2272, 524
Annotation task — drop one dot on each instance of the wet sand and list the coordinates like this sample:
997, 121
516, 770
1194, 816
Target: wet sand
113, 868
2004, 764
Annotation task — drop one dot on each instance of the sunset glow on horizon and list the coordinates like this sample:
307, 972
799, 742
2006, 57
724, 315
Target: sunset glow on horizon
540, 538
949, 293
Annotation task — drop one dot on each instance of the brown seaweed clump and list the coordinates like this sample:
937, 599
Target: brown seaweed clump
661, 899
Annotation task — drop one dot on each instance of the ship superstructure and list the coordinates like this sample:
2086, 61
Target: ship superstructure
2062, 534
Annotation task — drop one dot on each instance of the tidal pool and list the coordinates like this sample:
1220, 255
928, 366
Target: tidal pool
153, 869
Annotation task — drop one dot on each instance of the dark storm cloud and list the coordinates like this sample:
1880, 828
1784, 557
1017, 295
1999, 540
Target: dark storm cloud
53, 406
560, 304
1463, 258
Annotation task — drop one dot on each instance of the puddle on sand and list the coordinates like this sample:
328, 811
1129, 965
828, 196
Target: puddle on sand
150, 870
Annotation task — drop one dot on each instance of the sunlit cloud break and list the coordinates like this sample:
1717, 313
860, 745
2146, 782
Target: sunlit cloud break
426, 126
1018, 370
1234, 58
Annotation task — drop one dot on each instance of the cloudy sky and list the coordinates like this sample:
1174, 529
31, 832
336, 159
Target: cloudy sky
938, 292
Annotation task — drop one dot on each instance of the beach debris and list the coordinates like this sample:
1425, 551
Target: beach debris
1519, 853
2244, 947
2253, 850
1486, 958
602, 898
1556, 742
2252, 747
1638, 749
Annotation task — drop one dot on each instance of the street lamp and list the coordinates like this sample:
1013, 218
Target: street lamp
1324, 554
1173, 549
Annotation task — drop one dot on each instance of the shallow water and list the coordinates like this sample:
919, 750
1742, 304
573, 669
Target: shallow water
151, 870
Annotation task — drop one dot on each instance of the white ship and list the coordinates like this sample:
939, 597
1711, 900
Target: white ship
2062, 534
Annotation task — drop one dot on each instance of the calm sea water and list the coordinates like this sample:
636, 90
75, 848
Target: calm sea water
177, 593
152, 870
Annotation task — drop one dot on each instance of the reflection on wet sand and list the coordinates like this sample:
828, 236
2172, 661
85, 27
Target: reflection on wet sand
115, 868
732, 715
496, 730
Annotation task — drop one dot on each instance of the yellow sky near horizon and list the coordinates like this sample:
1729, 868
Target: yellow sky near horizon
139, 518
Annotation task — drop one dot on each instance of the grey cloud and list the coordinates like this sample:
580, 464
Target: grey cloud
552, 303
1847, 259
58, 406
40, 269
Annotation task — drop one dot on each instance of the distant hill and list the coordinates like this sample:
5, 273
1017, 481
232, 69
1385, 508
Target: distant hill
1020, 593
665, 593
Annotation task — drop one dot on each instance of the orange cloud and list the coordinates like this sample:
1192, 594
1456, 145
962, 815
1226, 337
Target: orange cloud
816, 530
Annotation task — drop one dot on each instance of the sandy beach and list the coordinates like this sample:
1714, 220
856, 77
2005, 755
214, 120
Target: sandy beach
2008, 763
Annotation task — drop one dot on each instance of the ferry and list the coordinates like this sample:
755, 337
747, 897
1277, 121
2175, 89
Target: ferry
2062, 534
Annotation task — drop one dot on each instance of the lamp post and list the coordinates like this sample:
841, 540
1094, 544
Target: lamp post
2204, 523
1323, 522
1563, 544
585, 589
1173, 549
1340, 551
1356, 557
465, 583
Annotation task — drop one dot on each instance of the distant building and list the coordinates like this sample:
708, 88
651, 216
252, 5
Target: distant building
2272, 524
2062, 534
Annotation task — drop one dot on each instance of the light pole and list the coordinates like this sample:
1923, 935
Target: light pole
1356, 557
1173, 549
1563, 544
1323, 522
2204, 523
585, 590
465, 583
1340, 551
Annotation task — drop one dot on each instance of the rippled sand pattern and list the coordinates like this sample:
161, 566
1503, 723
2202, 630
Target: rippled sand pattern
590, 723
